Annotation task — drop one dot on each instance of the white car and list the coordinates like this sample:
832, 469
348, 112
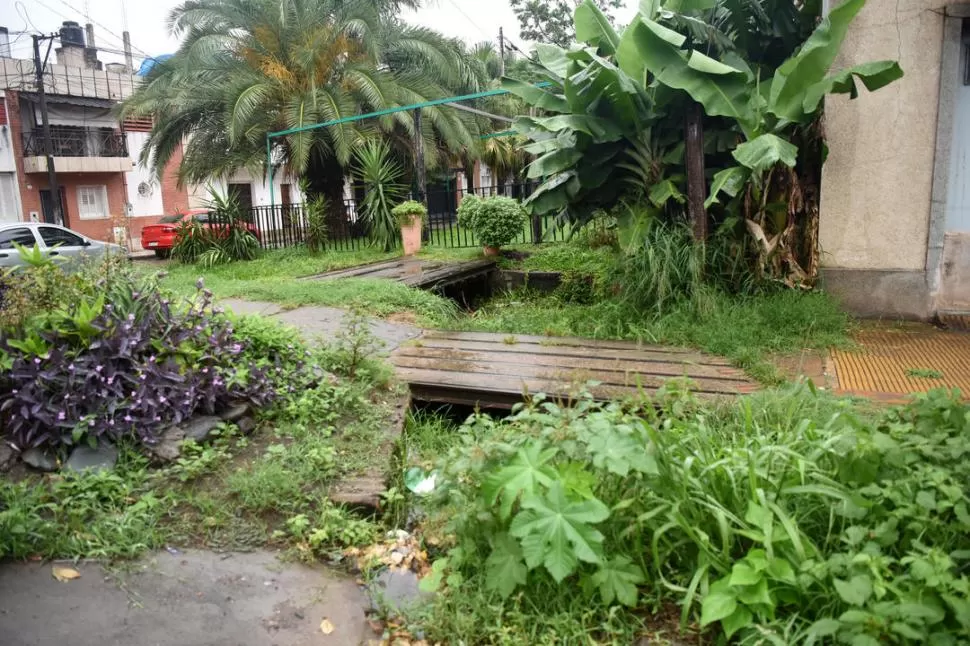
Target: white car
53, 240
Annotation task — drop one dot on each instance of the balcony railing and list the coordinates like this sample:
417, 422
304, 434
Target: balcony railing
77, 142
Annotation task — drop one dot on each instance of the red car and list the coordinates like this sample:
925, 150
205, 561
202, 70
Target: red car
160, 237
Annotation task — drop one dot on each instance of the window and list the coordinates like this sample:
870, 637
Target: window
22, 236
52, 236
92, 202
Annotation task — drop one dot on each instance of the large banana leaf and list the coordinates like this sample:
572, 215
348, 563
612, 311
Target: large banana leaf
593, 27
762, 153
721, 89
809, 66
543, 99
873, 75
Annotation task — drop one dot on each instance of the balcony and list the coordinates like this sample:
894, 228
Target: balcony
77, 150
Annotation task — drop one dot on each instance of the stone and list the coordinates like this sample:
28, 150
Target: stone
7, 457
169, 445
39, 459
395, 590
235, 412
246, 425
199, 428
98, 459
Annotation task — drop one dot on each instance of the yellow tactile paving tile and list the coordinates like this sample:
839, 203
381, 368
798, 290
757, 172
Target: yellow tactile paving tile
880, 366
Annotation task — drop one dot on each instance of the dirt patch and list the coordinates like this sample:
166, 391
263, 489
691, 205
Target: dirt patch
807, 364
407, 318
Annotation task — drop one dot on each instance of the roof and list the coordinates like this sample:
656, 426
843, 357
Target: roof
83, 101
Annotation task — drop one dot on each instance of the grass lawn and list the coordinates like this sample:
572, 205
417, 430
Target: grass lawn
746, 329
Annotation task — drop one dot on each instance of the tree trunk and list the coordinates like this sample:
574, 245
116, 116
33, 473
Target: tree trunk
325, 176
694, 154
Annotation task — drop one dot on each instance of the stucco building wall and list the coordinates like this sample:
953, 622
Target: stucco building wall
877, 182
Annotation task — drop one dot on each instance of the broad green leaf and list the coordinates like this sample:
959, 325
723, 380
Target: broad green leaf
527, 470
633, 51
557, 532
577, 480
594, 28
744, 574
856, 591
722, 90
874, 75
822, 628
617, 579
730, 181
663, 191
432, 580
553, 58
504, 566
737, 620
812, 62
619, 453
536, 97
716, 607
781, 570
761, 153
864, 640
756, 594
684, 6
601, 130
554, 162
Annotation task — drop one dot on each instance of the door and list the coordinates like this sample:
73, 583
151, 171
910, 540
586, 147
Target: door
9, 256
285, 206
61, 242
244, 195
955, 275
47, 206
9, 204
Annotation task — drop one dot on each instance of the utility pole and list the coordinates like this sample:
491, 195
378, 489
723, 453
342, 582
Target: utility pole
501, 51
56, 211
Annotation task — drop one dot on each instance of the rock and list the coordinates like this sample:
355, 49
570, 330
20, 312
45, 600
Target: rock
98, 459
235, 412
168, 448
39, 459
199, 428
7, 456
395, 590
246, 425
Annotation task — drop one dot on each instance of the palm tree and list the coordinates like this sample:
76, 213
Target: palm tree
248, 67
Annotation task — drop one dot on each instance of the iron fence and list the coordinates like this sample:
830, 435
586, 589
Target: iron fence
286, 225
70, 141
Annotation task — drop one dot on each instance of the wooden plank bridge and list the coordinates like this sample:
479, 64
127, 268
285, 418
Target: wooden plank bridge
498, 370
413, 272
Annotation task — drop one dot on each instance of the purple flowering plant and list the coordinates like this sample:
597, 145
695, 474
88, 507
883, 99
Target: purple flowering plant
124, 364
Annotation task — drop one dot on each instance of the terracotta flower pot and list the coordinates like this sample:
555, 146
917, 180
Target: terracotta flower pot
491, 251
411, 237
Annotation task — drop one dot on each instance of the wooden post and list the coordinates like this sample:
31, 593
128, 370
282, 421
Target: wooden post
694, 154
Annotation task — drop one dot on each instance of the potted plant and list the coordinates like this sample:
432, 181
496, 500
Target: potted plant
496, 221
410, 216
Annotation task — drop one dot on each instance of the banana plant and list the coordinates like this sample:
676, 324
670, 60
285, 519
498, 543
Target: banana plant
610, 88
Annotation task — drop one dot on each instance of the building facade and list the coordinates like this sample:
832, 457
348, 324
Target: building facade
895, 200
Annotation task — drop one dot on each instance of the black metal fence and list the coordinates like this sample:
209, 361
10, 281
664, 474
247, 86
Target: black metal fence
71, 141
286, 225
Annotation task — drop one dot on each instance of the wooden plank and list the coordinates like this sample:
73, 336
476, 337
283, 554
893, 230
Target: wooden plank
562, 377
673, 368
450, 273
356, 270
630, 352
503, 384
550, 341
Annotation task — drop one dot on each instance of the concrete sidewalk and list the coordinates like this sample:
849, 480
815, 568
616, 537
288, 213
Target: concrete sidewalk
193, 598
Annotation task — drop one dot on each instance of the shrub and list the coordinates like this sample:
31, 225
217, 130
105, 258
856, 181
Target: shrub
224, 239
783, 517
406, 212
124, 363
495, 221
316, 223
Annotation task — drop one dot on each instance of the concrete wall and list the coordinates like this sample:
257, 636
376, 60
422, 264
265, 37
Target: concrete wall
878, 179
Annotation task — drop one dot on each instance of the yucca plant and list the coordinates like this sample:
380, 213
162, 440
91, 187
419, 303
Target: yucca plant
316, 223
191, 240
233, 238
381, 176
